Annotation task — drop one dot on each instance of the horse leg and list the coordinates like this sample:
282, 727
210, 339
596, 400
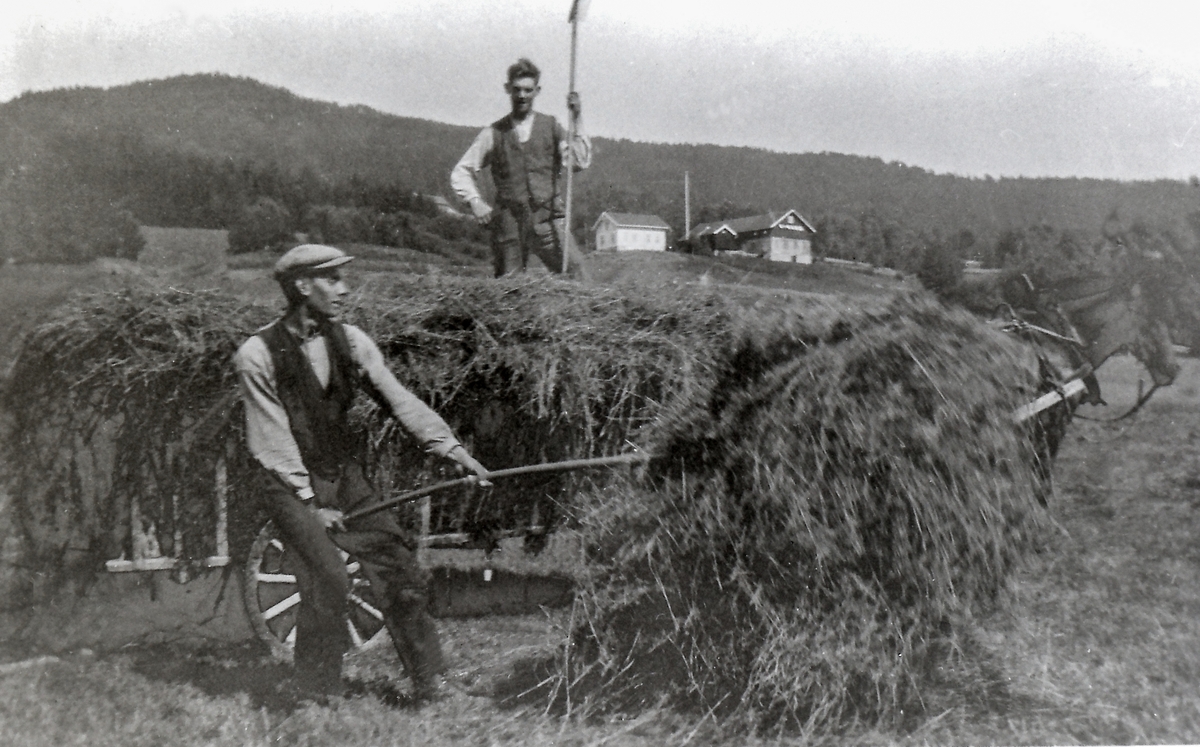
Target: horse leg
1049, 429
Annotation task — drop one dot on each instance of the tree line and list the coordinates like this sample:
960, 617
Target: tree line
210, 128
82, 195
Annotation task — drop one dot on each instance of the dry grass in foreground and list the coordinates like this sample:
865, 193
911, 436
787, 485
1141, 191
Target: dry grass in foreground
164, 696
1099, 642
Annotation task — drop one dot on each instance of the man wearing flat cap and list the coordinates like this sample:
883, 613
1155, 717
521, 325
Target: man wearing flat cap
298, 377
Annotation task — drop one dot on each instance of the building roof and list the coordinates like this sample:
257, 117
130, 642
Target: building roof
634, 220
749, 224
705, 229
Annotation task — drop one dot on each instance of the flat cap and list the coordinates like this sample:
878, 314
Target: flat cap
309, 258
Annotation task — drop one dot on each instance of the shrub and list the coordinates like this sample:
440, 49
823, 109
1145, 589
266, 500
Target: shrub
940, 267
118, 236
47, 217
328, 224
265, 225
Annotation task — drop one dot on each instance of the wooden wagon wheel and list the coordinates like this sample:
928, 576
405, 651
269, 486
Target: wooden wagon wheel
271, 597
270, 591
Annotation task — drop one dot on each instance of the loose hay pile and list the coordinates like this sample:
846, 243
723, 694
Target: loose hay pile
819, 518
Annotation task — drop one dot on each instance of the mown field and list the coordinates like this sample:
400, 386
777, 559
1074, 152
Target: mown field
1097, 640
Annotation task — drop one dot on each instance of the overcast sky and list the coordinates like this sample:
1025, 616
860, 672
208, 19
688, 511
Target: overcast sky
1048, 88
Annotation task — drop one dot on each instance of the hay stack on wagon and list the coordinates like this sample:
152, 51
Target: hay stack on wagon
117, 400
832, 490
820, 519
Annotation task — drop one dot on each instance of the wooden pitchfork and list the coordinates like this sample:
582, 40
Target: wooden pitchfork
569, 465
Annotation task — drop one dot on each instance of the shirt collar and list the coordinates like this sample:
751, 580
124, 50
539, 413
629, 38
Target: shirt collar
305, 329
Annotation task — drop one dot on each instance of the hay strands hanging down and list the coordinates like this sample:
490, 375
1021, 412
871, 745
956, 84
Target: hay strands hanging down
529, 469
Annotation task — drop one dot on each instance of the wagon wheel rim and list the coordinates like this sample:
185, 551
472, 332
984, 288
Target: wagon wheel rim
272, 598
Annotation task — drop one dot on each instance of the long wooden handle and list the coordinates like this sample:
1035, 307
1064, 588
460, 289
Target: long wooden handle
571, 464
566, 239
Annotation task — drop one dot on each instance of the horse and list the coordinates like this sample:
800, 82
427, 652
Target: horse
1085, 320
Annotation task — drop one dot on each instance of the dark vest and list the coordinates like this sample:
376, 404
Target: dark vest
317, 416
525, 173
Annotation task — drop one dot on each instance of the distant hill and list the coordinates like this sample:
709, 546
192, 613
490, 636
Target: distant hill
836, 184
226, 118
239, 123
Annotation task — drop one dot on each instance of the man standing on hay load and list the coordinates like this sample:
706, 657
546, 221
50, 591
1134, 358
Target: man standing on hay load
526, 151
298, 378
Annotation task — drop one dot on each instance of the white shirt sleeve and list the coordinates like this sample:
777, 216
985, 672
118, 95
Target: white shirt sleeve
268, 430
464, 177
581, 145
582, 148
421, 422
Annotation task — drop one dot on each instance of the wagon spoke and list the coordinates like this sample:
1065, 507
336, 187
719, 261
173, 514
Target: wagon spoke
276, 578
272, 591
366, 607
283, 606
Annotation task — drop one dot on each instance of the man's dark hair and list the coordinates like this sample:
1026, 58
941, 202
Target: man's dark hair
523, 68
287, 284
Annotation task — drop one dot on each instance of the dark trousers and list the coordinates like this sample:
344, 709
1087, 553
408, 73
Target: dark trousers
388, 559
518, 230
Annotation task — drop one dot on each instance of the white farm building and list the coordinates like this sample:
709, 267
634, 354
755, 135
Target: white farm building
779, 237
625, 232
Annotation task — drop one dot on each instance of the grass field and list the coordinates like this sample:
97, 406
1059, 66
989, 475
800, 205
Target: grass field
191, 251
1097, 641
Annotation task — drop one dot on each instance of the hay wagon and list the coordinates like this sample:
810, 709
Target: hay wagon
118, 460
439, 513
109, 457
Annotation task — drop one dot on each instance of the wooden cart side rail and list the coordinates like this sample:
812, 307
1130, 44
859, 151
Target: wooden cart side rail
1048, 400
222, 558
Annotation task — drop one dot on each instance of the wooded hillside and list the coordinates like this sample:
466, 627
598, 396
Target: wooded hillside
198, 150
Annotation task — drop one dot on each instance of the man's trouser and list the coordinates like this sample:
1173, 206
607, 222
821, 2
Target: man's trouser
518, 230
388, 560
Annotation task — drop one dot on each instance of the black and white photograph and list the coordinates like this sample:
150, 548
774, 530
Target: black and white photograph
565, 373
